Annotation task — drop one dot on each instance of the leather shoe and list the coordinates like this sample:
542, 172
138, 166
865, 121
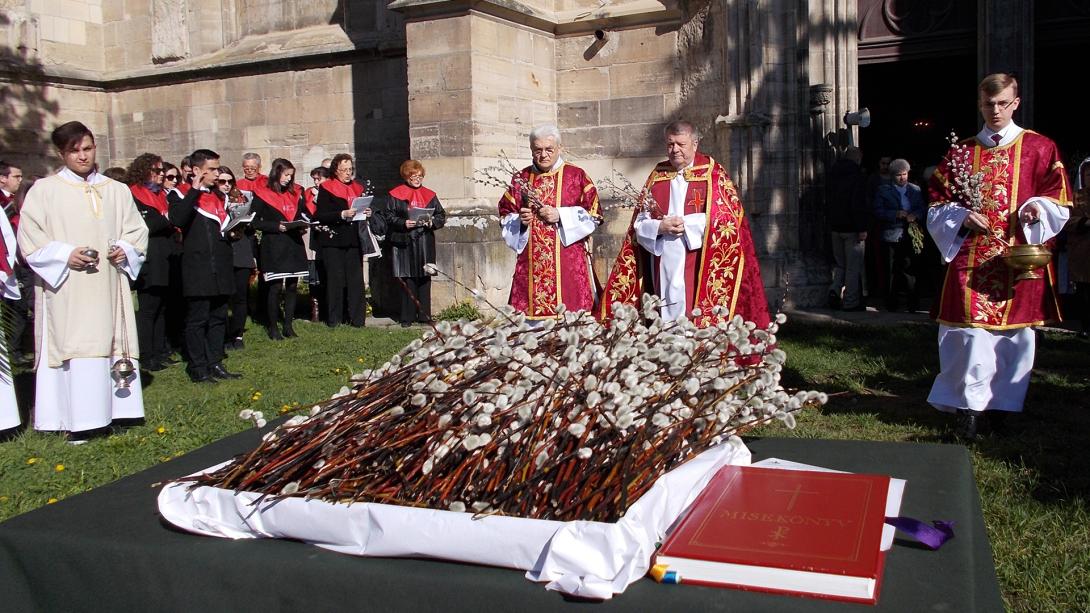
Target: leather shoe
202, 378
289, 332
219, 372
153, 366
274, 333
969, 425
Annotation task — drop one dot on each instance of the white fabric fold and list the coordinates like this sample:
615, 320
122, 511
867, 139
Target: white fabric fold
589, 559
51, 263
514, 233
575, 224
1052, 219
694, 230
134, 260
943, 223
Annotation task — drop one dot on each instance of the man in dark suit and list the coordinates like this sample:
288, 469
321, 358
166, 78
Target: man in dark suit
207, 273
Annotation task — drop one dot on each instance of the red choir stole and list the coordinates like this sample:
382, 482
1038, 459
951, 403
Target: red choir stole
418, 198
251, 185
345, 191
211, 205
547, 273
183, 189
150, 199
14, 216
724, 271
979, 290
310, 200
5, 267
286, 203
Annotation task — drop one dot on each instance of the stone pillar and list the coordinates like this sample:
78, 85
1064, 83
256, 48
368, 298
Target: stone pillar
1005, 44
765, 129
477, 85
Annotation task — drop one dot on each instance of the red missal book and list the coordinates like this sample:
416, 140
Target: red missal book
805, 533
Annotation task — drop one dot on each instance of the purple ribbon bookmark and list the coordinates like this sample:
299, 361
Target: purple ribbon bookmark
933, 535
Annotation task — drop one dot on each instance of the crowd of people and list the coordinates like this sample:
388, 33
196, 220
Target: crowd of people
195, 242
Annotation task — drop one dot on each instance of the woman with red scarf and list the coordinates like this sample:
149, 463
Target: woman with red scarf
413, 213
339, 238
145, 180
277, 202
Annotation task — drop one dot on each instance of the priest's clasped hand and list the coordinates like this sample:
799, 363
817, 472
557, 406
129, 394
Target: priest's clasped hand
548, 214
672, 225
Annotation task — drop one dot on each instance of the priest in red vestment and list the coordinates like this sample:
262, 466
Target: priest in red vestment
691, 245
548, 212
985, 315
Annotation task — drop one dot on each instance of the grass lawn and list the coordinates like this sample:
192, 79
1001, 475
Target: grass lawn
1033, 490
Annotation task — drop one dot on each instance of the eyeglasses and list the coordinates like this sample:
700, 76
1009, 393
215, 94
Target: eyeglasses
170, 177
224, 181
1000, 104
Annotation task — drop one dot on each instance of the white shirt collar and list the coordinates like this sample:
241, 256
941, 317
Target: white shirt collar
556, 165
92, 179
5, 192
1008, 134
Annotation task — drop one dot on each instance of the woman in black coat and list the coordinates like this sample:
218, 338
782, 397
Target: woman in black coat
244, 250
145, 180
339, 238
277, 203
412, 214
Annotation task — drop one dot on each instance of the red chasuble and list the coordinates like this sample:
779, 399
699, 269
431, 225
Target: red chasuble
724, 271
287, 203
149, 198
979, 290
547, 273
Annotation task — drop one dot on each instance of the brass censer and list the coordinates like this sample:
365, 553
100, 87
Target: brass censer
1027, 260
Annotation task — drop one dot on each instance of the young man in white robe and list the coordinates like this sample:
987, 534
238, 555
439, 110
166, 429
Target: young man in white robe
84, 319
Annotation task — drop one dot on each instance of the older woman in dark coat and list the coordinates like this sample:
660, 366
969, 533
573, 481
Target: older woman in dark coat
413, 213
339, 238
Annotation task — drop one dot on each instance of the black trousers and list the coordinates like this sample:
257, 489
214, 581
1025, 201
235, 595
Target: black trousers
419, 290
205, 323
901, 269
239, 304
343, 276
151, 323
19, 310
289, 289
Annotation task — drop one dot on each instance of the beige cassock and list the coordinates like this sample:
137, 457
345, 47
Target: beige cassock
84, 319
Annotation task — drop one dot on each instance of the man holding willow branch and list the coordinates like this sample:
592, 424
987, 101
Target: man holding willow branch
689, 242
1006, 186
548, 212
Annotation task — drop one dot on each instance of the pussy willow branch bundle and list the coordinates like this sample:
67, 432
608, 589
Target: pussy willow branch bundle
565, 420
